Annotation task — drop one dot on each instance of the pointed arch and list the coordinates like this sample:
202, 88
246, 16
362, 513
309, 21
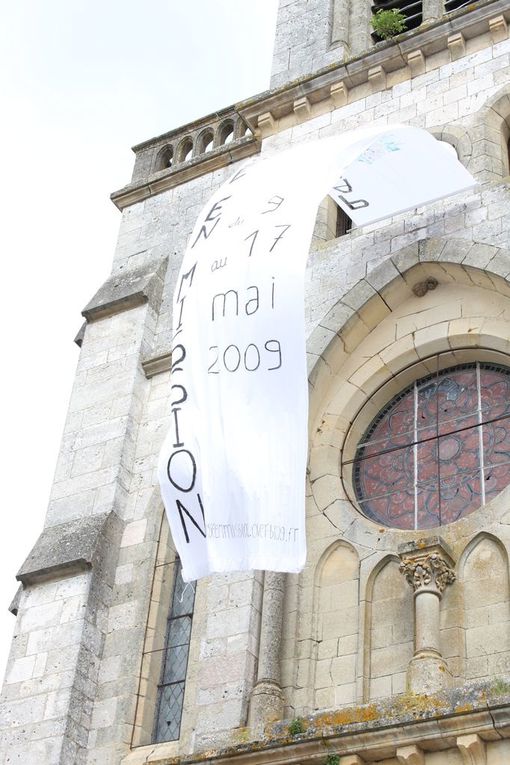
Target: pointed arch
389, 630
322, 563
494, 121
484, 578
473, 542
336, 606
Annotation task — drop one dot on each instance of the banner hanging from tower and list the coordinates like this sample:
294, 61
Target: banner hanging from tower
232, 467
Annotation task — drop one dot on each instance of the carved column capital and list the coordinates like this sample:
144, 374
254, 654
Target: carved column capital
427, 565
427, 572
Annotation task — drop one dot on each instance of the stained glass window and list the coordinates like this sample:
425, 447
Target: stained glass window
439, 450
175, 660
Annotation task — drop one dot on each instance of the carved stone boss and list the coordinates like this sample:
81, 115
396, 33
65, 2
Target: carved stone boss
428, 567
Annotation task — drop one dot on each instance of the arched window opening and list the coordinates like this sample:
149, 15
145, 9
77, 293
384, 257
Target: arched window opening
343, 223
496, 120
226, 133
165, 158
411, 9
205, 142
185, 150
175, 660
439, 450
243, 129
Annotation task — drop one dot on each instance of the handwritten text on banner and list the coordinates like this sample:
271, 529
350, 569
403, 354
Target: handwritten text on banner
232, 468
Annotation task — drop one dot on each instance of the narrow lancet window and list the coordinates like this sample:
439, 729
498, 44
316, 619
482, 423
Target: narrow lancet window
175, 660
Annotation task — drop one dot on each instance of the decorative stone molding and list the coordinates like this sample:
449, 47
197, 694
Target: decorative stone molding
430, 38
410, 755
458, 137
498, 29
377, 77
382, 280
339, 93
302, 108
456, 45
157, 364
426, 572
472, 749
363, 734
266, 122
416, 62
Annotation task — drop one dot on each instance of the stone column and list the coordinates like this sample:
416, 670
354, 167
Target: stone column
266, 703
340, 25
428, 567
360, 32
432, 9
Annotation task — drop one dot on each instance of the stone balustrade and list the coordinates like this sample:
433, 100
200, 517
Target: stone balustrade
189, 151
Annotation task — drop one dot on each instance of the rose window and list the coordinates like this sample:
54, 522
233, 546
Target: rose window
438, 451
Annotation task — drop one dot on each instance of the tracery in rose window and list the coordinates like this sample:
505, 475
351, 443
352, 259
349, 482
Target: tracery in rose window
438, 450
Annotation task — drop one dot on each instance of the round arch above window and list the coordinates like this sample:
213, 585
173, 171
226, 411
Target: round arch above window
437, 451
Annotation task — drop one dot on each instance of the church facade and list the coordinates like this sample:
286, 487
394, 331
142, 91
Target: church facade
392, 646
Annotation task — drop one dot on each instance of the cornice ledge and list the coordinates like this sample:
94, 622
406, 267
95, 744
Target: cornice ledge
157, 364
376, 730
168, 179
304, 98
127, 289
70, 548
390, 55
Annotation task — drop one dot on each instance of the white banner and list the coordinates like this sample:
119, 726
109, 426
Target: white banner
232, 468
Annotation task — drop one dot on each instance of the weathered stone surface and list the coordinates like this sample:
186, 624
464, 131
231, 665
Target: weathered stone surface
126, 289
67, 547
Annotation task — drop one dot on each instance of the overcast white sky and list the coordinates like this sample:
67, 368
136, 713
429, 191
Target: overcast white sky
81, 82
